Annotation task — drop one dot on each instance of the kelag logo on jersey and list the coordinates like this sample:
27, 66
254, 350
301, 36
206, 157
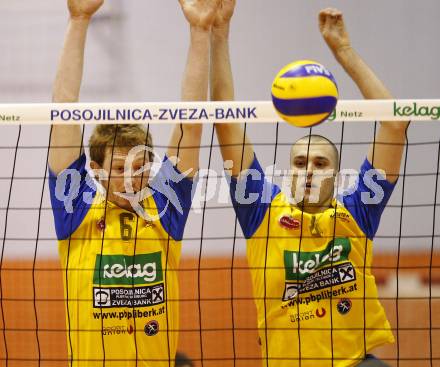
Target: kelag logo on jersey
300, 265
128, 270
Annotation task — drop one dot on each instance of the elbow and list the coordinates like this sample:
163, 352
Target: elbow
396, 127
64, 98
193, 130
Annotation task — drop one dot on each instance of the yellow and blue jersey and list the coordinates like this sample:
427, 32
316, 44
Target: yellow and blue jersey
316, 298
120, 270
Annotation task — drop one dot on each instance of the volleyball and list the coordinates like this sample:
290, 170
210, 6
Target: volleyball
304, 93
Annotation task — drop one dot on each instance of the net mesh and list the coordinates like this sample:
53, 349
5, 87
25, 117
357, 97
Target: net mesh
218, 321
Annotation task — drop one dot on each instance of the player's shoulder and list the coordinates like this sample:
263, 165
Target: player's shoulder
280, 199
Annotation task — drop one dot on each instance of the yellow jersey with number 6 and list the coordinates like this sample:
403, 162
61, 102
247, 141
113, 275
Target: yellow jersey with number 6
119, 271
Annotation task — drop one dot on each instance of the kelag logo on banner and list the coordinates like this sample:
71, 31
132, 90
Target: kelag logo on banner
416, 109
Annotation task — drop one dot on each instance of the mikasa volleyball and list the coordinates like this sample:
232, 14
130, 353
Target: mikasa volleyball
304, 93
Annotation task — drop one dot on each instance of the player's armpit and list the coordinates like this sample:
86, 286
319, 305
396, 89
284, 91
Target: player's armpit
65, 146
251, 196
235, 147
386, 151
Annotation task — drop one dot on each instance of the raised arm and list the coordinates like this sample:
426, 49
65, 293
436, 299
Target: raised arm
230, 136
185, 139
386, 153
65, 140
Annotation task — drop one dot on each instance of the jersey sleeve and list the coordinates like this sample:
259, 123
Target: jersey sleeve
172, 193
367, 203
251, 196
71, 194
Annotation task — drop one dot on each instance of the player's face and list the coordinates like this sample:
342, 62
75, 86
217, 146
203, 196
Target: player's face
115, 166
313, 173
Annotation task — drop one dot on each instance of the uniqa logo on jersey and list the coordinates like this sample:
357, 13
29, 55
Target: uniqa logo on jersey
128, 270
299, 265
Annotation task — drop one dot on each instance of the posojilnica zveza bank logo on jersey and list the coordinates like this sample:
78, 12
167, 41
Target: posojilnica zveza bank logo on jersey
312, 271
128, 281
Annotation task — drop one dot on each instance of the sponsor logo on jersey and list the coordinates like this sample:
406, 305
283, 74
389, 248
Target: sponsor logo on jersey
308, 315
117, 330
300, 264
152, 328
149, 224
320, 312
101, 224
321, 279
128, 270
344, 306
288, 222
128, 297
322, 295
344, 217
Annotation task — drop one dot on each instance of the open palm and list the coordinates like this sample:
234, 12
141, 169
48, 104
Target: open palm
83, 8
332, 27
224, 12
200, 13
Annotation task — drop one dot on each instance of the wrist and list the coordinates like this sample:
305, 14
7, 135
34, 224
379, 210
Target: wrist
80, 19
221, 31
200, 30
343, 52
199, 37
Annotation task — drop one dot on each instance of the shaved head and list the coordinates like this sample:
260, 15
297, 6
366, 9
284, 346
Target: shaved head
317, 141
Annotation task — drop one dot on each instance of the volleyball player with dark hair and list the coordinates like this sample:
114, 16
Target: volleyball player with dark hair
310, 262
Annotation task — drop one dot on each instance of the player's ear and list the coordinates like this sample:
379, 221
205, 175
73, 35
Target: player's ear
98, 171
94, 165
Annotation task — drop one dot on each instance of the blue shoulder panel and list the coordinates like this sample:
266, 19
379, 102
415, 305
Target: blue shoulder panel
172, 193
71, 195
367, 203
251, 196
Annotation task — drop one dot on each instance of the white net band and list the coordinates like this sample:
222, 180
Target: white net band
207, 112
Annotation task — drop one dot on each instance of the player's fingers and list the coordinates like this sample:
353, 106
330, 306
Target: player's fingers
215, 4
329, 21
322, 17
327, 16
335, 17
339, 19
333, 11
326, 11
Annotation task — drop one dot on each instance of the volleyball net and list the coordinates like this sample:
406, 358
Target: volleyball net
218, 322
208, 112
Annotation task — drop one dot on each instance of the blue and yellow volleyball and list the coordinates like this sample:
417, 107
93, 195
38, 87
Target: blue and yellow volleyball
304, 93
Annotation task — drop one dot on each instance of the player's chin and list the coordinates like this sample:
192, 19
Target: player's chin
125, 204
122, 203
311, 200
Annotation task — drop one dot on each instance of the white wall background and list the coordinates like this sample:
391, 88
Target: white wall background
136, 52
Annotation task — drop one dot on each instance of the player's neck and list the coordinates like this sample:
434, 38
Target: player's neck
314, 208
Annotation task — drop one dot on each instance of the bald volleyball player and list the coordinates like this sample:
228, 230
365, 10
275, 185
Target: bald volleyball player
310, 262
120, 245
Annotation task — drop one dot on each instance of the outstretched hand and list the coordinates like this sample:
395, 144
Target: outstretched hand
200, 13
224, 13
83, 8
332, 27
